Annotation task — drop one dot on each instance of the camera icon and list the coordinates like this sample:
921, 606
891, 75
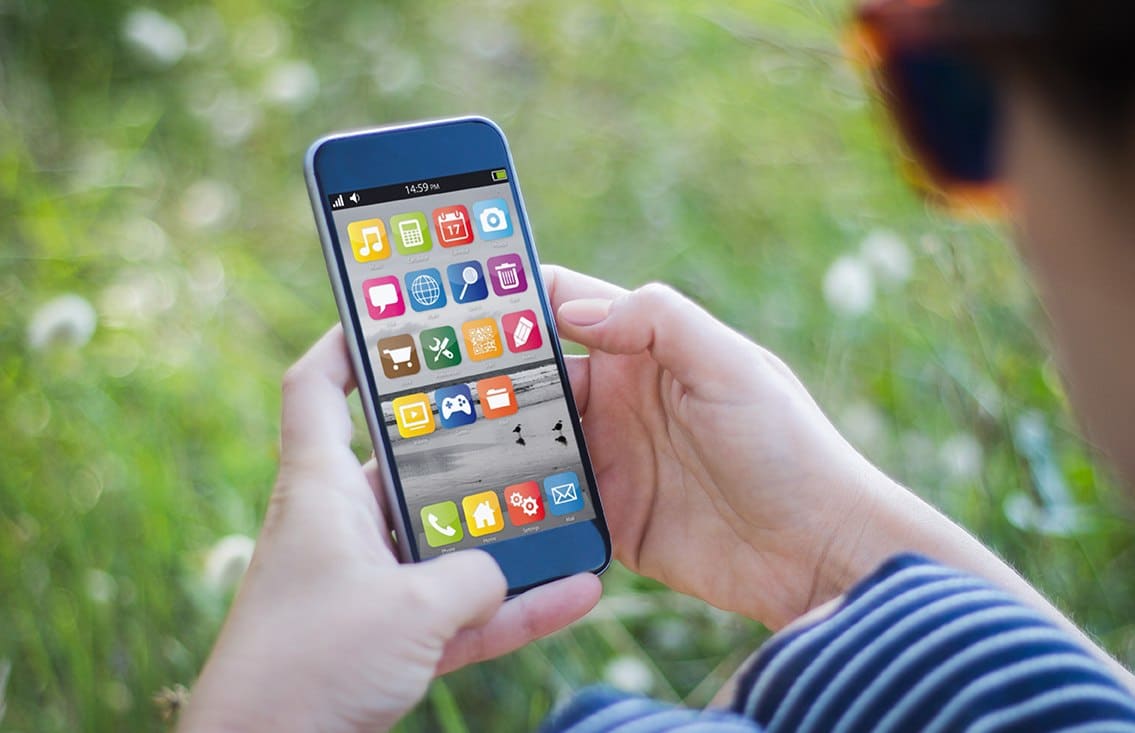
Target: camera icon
492, 219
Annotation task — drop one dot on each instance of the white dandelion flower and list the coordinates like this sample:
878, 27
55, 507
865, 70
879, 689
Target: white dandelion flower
204, 29
207, 203
155, 36
117, 696
292, 84
961, 456
68, 320
849, 286
863, 425
629, 674
917, 449
138, 296
398, 72
100, 586
227, 560
261, 38
141, 239
888, 256
671, 634
487, 36
234, 116
1061, 520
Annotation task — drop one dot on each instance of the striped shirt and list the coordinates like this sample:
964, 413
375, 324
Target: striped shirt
914, 647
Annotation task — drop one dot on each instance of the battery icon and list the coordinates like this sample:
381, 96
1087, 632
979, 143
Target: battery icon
500, 174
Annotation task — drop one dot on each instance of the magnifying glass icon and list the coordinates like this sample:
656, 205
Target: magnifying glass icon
469, 276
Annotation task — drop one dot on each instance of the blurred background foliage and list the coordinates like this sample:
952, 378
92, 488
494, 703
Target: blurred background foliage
160, 270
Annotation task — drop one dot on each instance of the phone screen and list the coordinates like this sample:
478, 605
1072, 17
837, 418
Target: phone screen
471, 397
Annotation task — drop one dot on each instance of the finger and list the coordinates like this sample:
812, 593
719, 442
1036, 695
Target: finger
700, 351
374, 479
530, 616
315, 413
579, 374
463, 589
564, 285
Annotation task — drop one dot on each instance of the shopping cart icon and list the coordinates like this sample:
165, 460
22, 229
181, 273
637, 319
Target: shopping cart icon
401, 357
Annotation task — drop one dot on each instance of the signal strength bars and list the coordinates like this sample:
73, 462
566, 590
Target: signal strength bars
338, 203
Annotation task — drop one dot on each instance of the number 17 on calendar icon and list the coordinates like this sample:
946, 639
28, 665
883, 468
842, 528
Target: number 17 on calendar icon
453, 226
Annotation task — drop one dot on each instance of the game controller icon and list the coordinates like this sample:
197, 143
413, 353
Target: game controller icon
455, 406
457, 403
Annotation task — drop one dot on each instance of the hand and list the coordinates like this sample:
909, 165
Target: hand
328, 632
720, 476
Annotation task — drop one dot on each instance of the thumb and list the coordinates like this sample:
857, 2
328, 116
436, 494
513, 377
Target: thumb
464, 589
700, 351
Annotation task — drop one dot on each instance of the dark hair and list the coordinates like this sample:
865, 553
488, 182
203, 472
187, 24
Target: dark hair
1079, 53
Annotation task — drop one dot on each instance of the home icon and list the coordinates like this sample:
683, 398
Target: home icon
483, 513
483, 516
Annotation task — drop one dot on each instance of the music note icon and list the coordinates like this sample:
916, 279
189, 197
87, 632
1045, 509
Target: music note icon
368, 240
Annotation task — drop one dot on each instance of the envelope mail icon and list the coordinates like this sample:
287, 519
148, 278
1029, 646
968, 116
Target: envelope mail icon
564, 493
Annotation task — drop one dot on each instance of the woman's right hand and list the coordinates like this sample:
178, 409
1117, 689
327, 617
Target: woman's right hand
720, 475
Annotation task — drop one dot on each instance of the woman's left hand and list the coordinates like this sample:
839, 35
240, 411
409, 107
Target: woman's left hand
328, 631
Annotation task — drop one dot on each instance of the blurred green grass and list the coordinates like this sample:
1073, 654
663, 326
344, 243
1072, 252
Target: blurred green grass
150, 163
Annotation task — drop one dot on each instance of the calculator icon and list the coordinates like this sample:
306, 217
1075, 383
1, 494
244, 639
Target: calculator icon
411, 233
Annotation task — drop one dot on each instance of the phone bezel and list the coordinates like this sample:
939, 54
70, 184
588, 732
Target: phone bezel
423, 151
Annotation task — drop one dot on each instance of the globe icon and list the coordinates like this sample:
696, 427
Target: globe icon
425, 289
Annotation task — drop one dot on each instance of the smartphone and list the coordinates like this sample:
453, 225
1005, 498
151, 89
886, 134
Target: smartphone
460, 372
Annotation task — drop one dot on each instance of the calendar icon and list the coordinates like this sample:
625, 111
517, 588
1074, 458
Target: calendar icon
453, 226
411, 233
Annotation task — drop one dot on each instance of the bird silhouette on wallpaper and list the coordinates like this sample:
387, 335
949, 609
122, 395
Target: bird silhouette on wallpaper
519, 437
559, 428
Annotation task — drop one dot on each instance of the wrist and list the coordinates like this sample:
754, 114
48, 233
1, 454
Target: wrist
871, 527
245, 688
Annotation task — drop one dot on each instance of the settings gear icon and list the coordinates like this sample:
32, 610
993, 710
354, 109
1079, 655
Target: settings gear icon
526, 504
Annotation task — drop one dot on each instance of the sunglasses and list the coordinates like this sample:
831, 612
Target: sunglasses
943, 101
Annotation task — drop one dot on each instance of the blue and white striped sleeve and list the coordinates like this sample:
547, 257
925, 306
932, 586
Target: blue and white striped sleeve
914, 647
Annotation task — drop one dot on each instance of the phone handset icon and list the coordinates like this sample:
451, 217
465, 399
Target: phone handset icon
441, 523
438, 527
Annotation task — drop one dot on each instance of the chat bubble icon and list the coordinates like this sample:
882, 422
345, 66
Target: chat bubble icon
384, 298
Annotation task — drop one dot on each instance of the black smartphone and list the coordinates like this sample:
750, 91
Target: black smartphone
454, 344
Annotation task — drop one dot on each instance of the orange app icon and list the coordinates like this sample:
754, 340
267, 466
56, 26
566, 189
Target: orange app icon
483, 513
497, 397
368, 240
482, 339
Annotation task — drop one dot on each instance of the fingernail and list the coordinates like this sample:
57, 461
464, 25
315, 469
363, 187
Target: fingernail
585, 312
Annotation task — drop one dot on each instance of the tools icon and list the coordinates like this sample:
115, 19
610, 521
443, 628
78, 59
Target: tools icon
440, 348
